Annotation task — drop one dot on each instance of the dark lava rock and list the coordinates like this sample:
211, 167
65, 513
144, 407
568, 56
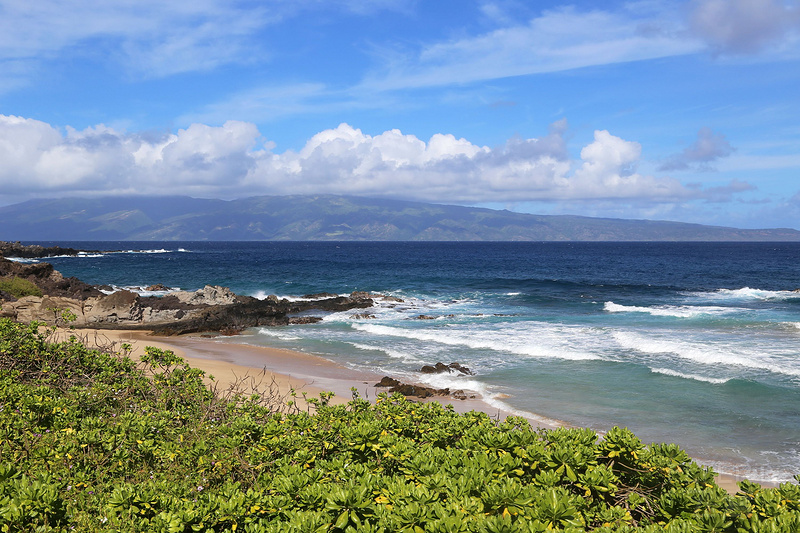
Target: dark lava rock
320, 295
157, 287
424, 317
165, 303
33, 251
304, 319
438, 368
419, 391
249, 312
6, 297
362, 316
386, 381
52, 283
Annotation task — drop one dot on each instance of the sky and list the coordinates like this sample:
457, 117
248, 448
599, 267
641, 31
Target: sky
651, 109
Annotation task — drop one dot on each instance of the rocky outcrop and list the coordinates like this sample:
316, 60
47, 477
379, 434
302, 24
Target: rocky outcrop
416, 391
208, 295
372, 296
157, 287
210, 309
33, 251
49, 280
320, 295
441, 367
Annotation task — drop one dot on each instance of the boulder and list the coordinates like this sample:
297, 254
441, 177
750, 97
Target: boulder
320, 295
362, 316
417, 391
208, 295
43, 309
386, 381
121, 307
441, 367
157, 287
304, 319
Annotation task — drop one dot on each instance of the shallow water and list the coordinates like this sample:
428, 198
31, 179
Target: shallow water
694, 343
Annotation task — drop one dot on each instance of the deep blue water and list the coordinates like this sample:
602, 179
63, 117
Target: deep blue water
695, 343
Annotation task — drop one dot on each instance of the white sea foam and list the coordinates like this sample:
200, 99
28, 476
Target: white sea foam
395, 354
262, 295
23, 259
677, 311
746, 293
696, 377
141, 291
278, 334
156, 251
706, 354
540, 343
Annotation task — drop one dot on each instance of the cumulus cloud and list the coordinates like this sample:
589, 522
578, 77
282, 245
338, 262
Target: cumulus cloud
233, 160
743, 26
708, 147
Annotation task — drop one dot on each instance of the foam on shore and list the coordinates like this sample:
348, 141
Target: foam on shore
229, 360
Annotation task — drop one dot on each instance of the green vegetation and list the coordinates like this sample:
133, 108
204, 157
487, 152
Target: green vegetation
93, 441
19, 287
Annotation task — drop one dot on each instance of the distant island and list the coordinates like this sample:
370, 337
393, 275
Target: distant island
330, 218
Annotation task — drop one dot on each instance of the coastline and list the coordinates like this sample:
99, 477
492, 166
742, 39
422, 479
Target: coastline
285, 371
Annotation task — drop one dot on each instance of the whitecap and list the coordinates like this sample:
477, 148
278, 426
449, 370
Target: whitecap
706, 354
395, 354
530, 343
746, 293
278, 334
682, 311
696, 377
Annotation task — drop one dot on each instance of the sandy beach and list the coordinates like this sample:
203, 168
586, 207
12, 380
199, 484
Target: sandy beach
282, 372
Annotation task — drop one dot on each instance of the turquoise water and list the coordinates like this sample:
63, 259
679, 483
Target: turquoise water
693, 343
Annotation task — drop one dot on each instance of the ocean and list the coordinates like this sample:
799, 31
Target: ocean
693, 343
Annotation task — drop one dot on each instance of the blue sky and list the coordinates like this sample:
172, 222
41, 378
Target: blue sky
685, 111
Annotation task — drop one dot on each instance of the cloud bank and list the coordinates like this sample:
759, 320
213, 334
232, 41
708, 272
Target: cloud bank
233, 160
708, 148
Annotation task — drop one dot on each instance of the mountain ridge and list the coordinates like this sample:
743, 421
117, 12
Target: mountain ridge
330, 217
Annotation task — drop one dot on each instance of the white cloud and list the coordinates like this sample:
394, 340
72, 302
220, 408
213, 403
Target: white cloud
557, 40
708, 148
233, 160
152, 38
744, 26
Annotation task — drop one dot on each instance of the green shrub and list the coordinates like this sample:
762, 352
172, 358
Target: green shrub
92, 441
19, 287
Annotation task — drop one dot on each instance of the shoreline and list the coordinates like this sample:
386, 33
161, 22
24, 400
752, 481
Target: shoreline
285, 371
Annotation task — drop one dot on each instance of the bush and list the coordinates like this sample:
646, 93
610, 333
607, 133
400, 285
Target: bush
93, 441
19, 287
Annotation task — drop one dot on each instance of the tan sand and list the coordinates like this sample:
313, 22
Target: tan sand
229, 361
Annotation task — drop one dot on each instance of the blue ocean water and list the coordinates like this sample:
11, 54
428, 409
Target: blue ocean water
694, 343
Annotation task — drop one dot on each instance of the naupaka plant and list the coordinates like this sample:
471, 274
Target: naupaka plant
91, 440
